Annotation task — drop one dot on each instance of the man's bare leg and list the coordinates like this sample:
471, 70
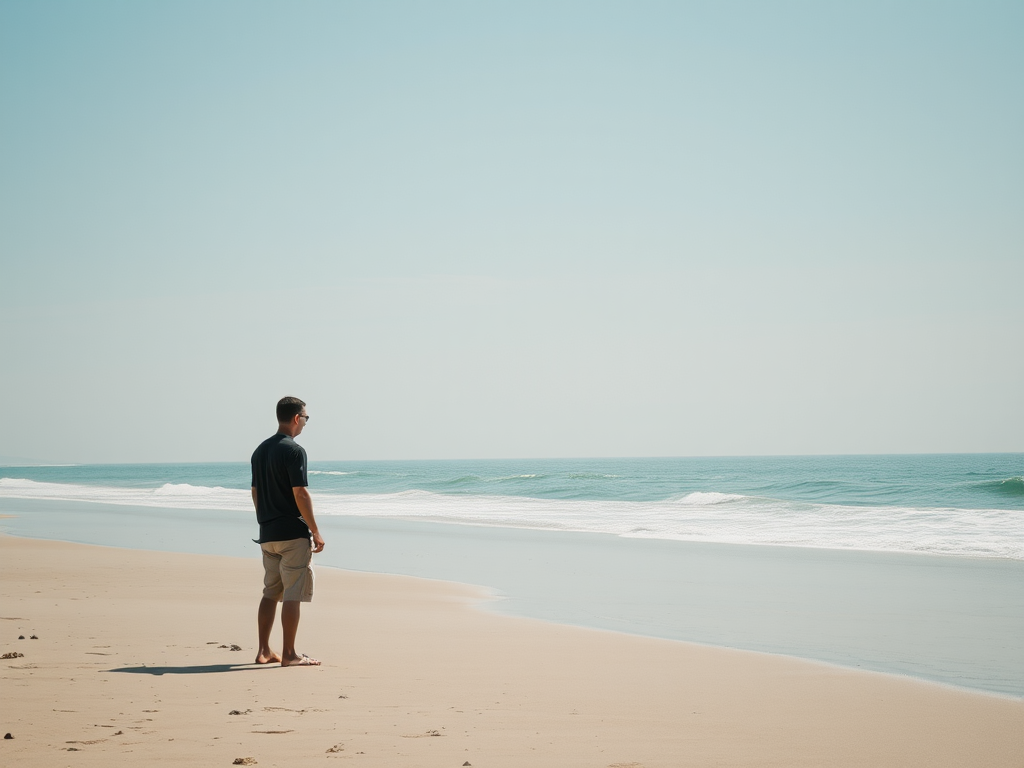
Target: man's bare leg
290, 624
265, 623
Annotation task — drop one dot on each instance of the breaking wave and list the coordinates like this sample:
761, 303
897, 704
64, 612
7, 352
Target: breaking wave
699, 516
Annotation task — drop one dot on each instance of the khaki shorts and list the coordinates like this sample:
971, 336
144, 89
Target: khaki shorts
287, 573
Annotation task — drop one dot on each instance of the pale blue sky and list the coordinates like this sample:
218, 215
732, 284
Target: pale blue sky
511, 229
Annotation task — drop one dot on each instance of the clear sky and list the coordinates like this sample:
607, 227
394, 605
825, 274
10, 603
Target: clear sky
511, 229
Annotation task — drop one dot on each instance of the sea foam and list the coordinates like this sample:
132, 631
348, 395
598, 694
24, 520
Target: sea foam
168, 495
707, 516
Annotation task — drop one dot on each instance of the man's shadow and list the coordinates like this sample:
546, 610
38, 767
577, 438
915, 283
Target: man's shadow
199, 669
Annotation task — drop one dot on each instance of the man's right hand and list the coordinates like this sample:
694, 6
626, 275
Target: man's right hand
318, 542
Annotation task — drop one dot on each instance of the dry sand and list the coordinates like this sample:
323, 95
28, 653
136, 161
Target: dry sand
133, 665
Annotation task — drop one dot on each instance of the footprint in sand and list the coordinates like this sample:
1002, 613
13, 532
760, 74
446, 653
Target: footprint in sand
296, 711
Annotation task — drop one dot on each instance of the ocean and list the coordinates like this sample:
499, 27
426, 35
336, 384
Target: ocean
960, 505
909, 565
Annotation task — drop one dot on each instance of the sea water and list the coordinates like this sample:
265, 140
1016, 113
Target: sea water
907, 564
969, 505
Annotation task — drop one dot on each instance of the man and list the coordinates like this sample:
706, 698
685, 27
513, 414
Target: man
285, 514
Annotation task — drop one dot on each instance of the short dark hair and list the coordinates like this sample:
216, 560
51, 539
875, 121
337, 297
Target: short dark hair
288, 408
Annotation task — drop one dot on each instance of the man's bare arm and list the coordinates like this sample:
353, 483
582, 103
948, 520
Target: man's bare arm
305, 503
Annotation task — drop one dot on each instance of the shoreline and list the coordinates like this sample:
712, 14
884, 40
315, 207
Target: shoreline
950, 620
405, 658
487, 600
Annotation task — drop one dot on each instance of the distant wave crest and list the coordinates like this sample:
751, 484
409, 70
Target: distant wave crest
1011, 486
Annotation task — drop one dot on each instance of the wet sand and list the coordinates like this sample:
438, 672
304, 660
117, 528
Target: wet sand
133, 661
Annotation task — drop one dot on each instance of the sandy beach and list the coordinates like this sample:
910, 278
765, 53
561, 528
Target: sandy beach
133, 660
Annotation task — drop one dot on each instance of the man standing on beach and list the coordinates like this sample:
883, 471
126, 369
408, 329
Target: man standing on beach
288, 532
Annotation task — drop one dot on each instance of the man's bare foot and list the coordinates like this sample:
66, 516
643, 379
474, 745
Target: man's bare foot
267, 658
300, 661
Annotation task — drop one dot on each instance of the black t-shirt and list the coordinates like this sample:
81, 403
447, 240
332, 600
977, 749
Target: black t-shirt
278, 465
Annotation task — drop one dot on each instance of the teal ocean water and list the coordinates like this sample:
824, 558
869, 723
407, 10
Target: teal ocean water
968, 505
901, 564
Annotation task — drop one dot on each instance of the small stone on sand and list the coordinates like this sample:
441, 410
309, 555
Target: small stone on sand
236, 648
244, 761
467, 763
21, 637
8, 736
33, 638
12, 655
336, 748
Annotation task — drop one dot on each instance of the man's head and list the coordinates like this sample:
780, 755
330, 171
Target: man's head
291, 415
